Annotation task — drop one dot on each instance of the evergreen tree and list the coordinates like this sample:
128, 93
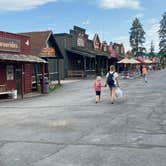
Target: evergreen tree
162, 44
152, 47
162, 35
137, 38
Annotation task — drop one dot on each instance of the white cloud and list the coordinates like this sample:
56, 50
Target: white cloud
17, 5
111, 4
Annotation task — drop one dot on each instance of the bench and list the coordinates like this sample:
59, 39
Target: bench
4, 91
75, 73
3, 88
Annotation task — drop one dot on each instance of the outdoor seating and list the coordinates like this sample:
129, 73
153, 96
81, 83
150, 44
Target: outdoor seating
5, 91
75, 73
129, 74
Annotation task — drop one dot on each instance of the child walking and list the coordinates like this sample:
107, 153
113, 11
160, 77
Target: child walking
97, 88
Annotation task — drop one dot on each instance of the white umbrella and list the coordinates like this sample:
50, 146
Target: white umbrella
129, 61
125, 61
134, 61
148, 61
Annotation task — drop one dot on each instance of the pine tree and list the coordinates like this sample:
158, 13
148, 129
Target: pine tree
162, 34
162, 37
151, 54
152, 47
137, 38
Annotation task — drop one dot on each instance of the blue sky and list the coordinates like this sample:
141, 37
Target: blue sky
111, 19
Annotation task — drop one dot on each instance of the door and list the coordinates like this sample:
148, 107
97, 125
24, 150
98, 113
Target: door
18, 79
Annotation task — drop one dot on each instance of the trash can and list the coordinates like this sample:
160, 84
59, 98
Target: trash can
46, 85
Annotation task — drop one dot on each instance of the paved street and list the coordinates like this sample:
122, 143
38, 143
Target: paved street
67, 128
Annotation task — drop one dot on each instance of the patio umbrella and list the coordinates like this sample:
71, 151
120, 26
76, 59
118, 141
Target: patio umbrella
125, 61
134, 61
148, 61
129, 61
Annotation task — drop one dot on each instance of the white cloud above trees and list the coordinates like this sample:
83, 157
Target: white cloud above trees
152, 33
113, 4
18, 5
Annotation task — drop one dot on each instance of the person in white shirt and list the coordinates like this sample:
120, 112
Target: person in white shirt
112, 80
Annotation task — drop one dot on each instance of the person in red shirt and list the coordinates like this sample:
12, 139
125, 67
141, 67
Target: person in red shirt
97, 88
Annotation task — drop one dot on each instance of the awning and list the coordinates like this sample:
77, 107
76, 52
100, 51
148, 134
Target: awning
83, 53
21, 58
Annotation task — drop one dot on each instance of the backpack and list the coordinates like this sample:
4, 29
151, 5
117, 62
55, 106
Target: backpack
110, 79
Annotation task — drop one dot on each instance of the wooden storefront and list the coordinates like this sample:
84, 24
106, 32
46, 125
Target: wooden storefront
82, 56
16, 64
45, 47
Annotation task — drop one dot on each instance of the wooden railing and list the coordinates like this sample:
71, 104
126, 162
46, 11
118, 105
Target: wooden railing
75, 73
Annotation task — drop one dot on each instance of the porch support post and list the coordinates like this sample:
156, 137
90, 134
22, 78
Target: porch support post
96, 65
85, 65
90, 64
43, 72
58, 70
22, 80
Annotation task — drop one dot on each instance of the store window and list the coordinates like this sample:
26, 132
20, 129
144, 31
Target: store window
10, 72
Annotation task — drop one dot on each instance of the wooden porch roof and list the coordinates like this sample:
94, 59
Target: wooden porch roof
83, 53
21, 58
86, 52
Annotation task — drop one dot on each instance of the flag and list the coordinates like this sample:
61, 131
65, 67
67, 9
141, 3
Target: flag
112, 51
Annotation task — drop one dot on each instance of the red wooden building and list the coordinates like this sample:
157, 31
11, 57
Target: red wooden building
16, 63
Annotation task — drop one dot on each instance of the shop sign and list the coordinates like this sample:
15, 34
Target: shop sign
48, 51
80, 40
7, 44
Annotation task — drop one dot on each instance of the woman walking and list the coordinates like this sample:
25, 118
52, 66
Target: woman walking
112, 80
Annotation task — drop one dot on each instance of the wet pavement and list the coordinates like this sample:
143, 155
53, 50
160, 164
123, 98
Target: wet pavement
67, 128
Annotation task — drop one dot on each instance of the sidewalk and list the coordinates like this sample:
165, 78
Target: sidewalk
35, 94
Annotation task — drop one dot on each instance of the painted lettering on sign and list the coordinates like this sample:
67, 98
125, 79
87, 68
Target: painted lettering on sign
7, 44
48, 51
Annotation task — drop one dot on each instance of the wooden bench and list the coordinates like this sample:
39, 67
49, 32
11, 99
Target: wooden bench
3, 88
4, 91
75, 73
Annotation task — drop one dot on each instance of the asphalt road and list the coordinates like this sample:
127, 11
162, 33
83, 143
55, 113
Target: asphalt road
67, 128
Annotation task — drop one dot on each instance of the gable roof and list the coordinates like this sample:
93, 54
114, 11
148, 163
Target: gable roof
38, 40
96, 38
